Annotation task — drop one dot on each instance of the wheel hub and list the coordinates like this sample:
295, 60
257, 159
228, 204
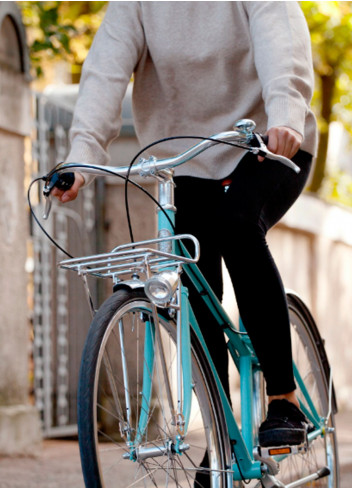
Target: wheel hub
141, 453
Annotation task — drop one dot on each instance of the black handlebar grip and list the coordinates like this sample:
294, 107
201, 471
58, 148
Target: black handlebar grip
63, 181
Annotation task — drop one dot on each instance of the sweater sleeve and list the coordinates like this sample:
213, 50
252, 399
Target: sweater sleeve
282, 56
106, 73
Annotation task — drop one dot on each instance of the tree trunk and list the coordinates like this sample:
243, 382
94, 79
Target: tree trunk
327, 90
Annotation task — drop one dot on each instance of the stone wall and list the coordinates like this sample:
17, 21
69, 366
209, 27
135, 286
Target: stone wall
19, 424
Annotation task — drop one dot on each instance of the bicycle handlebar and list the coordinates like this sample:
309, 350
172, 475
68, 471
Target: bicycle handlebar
152, 164
242, 136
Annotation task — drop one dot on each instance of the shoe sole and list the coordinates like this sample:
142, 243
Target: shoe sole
282, 436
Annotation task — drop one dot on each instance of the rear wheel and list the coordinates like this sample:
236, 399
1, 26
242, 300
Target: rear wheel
127, 433
311, 362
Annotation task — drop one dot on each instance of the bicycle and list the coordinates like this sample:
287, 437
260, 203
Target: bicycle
150, 402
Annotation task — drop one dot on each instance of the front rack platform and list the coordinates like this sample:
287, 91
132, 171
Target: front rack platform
142, 257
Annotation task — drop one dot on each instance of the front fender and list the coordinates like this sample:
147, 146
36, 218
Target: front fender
129, 285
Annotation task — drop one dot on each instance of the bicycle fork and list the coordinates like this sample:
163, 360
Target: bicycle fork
181, 412
180, 408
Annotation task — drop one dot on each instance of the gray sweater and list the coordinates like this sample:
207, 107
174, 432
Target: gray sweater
197, 68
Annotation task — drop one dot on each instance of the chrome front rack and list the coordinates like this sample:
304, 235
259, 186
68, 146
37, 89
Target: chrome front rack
133, 259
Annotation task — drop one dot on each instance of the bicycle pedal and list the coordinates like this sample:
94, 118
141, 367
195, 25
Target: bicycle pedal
282, 450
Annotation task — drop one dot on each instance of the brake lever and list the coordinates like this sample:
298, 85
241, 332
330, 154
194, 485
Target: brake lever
49, 185
47, 209
62, 181
262, 150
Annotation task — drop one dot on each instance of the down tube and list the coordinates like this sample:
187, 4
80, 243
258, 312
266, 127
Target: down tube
247, 468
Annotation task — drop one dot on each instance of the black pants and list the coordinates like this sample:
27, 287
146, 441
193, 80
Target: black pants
232, 225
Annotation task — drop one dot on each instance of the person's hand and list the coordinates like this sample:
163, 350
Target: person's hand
283, 141
71, 194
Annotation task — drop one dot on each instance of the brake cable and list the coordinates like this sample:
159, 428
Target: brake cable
127, 181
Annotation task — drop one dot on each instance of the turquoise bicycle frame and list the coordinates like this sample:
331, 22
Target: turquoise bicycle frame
242, 353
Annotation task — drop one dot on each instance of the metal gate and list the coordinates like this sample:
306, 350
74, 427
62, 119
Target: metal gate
60, 314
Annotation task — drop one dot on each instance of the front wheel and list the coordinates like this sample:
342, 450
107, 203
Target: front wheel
127, 431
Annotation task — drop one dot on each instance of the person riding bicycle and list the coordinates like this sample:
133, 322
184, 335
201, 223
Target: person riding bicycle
197, 68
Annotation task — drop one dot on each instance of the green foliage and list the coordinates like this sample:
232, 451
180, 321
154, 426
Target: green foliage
337, 188
330, 25
60, 30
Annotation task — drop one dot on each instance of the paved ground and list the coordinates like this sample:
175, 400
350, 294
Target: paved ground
58, 464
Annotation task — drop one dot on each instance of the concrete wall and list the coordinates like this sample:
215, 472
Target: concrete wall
313, 250
19, 423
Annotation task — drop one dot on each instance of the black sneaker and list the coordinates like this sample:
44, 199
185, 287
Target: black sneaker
285, 425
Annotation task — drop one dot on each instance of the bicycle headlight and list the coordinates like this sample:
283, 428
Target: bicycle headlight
161, 287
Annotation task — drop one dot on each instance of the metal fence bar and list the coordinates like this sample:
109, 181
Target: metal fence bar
59, 324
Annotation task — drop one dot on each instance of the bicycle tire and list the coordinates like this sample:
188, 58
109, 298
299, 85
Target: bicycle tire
104, 435
311, 361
